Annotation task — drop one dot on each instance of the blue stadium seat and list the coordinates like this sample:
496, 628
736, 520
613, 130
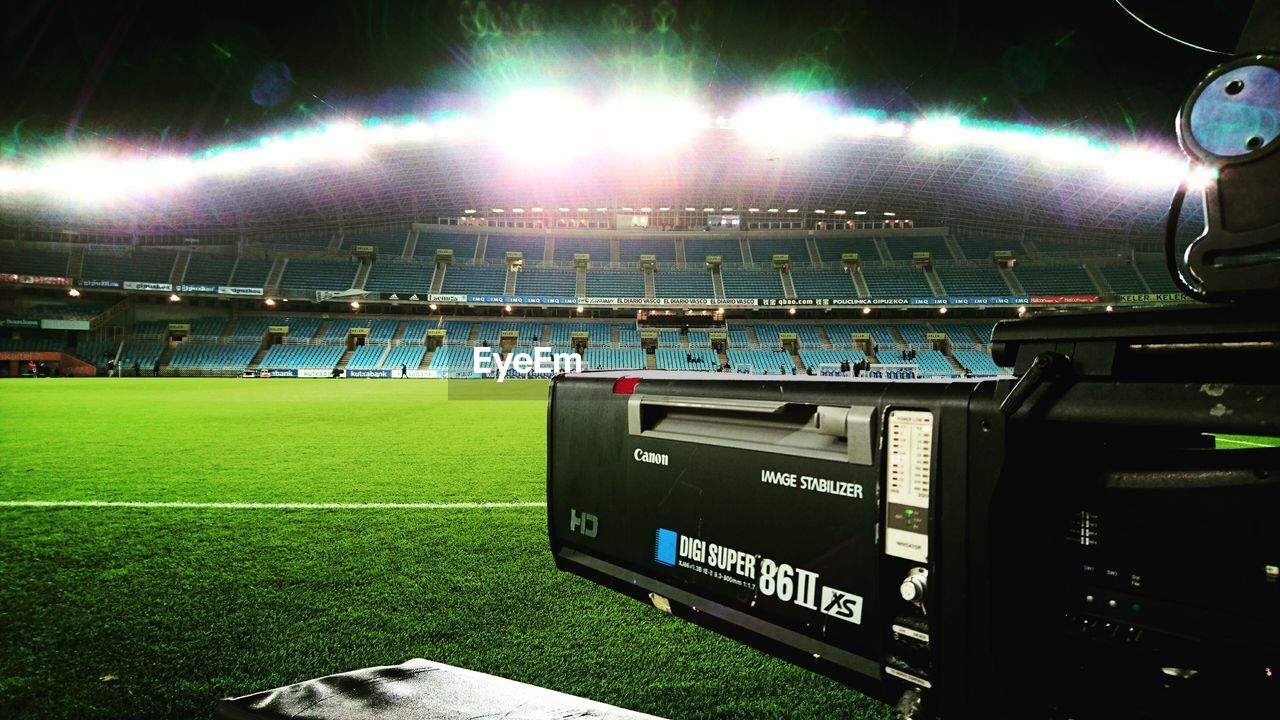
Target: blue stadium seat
205, 269
22, 261
814, 358
462, 245
402, 278
696, 250
212, 357
498, 246
806, 335
980, 248
672, 359
474, 280
980, 280
978, 362
613, 359
762, 251
1054, 279
957, 334
251, 273
670, 283
903, 248
252, 327
615, 283
832, 249
556, 282
663, 250
567, 247
761, 362
307, 275
387, 243
896, 282
383, 330
302, 356
366, 357
814, 283
410, 355
1123, 279
751, 283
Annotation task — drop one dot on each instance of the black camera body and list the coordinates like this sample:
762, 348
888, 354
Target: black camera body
1072, 546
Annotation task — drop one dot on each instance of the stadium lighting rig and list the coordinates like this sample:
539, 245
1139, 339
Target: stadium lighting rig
547, 127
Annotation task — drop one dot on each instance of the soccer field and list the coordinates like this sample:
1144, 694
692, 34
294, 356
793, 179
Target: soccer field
159, 610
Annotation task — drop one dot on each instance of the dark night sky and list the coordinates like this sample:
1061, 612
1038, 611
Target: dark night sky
184, 75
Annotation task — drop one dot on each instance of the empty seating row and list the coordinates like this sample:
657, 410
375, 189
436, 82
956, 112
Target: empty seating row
490, 333
456, 332
977, 361
474, 280
399, 277
1054, 279
307, 275
410, 355
383, 330
672, 359
212, 356
597, 333
762, 251
761, 362
386, 243
813, 283
302, 356
960, 280
752, 283
366, 357
814, 358
842, 335
463, 246
832, 250
981, 247
415, 332
957, 334
555, 282
22, 261
298, 241
204, 269
904, 248
698, 250
615, 283
896, 282
682, 283
140, 266
613, 359
1123, 279
453, 358
768, 335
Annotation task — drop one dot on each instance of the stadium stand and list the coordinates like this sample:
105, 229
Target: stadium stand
415, 332
386, 243
154, 267
663, 250
490, 333
813, 283
832, 249
842, 335
914, 335
611, 283
383, 330
752, 283
297, 241
93, 350
35, 341
399, 277
762, 251
896, 282
453, 359
902, 248
212, 357
207, 328
696, 250
814, 358
977, 361
144, 354
206, 269
739, 338
682, 283
567, 247
300, 329
474, 280
699, 338
979, 247
150, 329
302, 356
1123, 279
674, 359
1157, 276
598, 334
929, 362
550, 282
463, 246
410, 355
669, 338
251, 273
499, 245
761, 362
251, 327
368, 357
34, 262
957, 334
613, 359
1054, 279
456, 332
628, 337
983, 332
337, 329
959, 280
806, 335
309, 275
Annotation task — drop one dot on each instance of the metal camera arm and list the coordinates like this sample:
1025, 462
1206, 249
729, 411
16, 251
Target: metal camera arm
1230, 125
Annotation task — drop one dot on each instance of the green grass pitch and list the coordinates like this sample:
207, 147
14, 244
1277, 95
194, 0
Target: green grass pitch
158, 612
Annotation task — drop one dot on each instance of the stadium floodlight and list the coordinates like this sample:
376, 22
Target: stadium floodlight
942, 310
820, 212
726, 209
890, 214
664, 209
627, 209
584, 209
689, 209
1110, 308
470, 211
646, 209
773, 210
507, 308
355, 304
859, 212
605, 209
753, 209
708, 209
565, 210
866, 311
517, 210
580, 308
644, 123
1022, 309
791, 311
269, 302
433, 306
73, 292
497, 210
839, 212
537, 209
785, 120
173, 297
793, 210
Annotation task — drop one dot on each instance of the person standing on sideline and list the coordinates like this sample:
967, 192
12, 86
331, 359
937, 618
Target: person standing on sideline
155, 369
404, 370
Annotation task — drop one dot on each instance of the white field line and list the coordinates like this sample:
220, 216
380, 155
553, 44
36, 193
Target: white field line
268, 506
1243, 442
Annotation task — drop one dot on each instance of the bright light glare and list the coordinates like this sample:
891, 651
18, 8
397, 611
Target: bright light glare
786, 120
